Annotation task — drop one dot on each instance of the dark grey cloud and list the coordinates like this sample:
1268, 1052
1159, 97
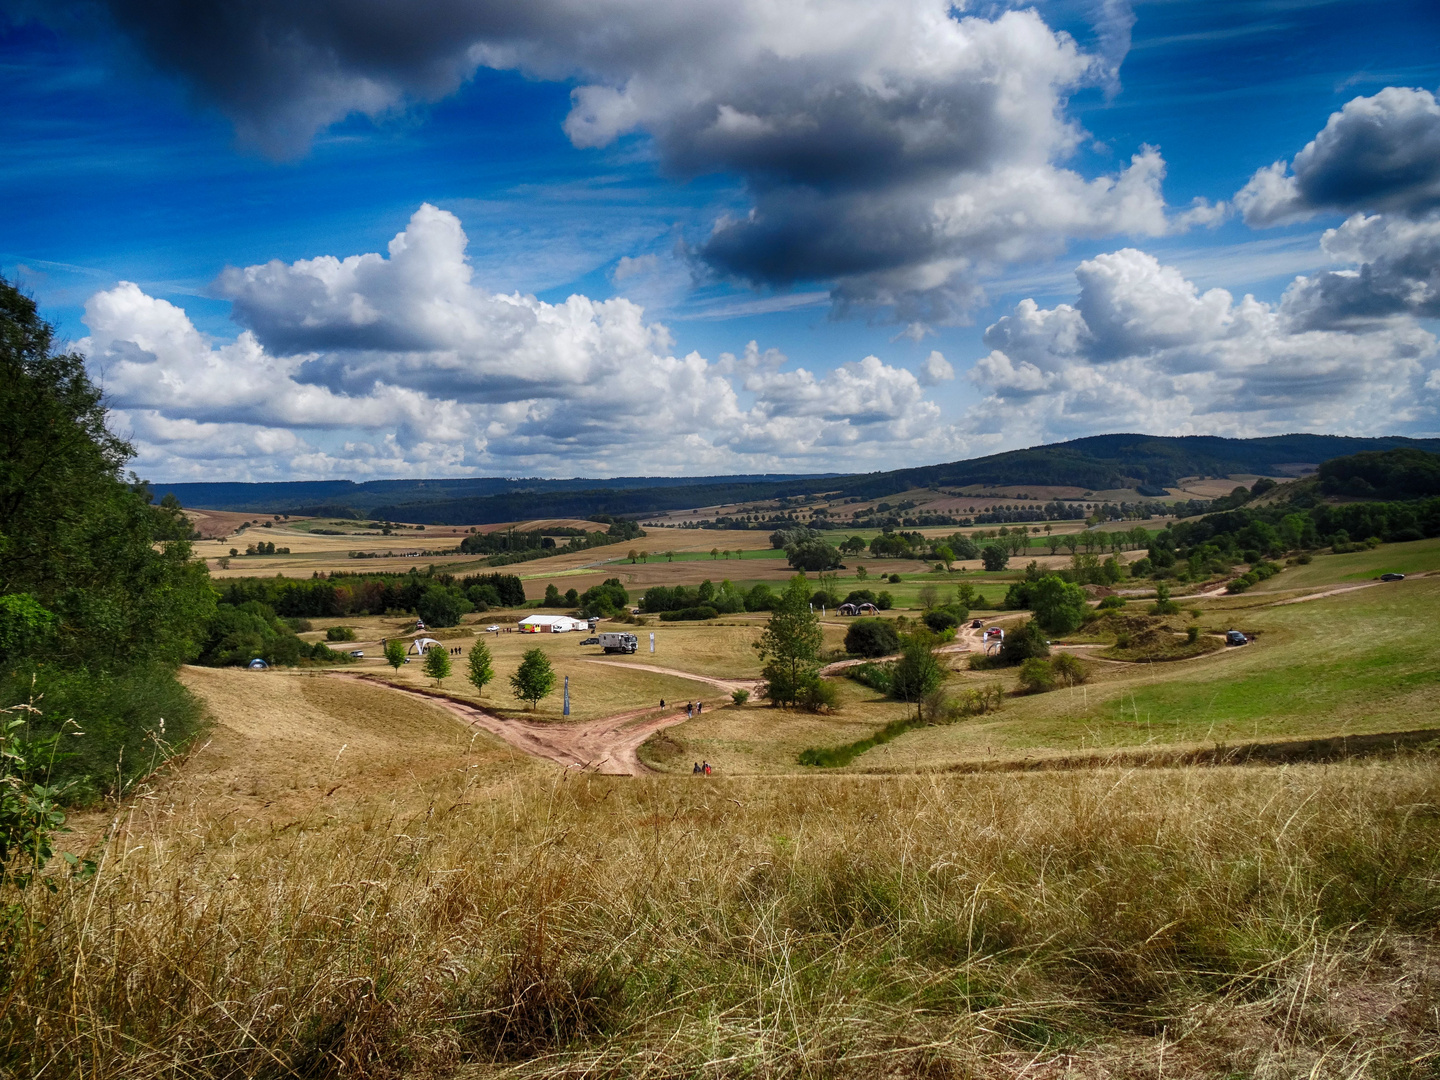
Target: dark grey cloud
1379, 153
894, 151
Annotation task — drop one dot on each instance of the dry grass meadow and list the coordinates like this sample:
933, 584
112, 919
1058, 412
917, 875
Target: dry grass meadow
341, 880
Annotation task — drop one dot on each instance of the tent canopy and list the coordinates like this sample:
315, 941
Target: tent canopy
258, 665
421, 644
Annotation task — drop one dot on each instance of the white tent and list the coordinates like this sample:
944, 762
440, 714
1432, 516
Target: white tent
258, 665
421, 644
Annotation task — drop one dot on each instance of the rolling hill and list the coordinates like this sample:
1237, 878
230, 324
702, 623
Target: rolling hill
1097, 462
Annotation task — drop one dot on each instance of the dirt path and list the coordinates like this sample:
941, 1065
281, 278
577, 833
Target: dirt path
1327, 592
724, 684
610, 745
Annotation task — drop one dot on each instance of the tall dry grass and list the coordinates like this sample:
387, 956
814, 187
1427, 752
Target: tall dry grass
1176, 922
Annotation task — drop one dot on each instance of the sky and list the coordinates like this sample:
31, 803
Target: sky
307, 239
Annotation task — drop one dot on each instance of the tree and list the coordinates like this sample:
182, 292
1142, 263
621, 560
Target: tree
534, 678
437, 663
714, 552
871, 638
946, 554
812, 555
790, 644
632, 555
1059, 605
553, 597
669, 556
861, 573
479, 668
995, 557
438, 606
917, 672
395, 653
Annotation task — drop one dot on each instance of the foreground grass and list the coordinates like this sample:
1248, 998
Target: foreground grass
1216, 922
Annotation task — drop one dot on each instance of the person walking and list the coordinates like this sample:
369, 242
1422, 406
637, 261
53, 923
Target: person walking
662, 703
696, 770
707, 768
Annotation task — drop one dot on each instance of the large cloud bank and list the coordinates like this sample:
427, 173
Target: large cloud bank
1342, 351
399, 365
894, 151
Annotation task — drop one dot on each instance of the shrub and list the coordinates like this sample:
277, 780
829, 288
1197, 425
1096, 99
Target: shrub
884, 601
300, 626
1035, 676
871, 637
739, 697
815, 694
876, 676
690, 614
1025, 641
339, 633
1112, 602
940, 620
1192, 634
1068, 670
894, 579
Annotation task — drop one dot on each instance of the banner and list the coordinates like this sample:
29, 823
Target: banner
567, 695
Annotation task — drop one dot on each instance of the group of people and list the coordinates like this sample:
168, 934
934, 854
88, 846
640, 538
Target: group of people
692, 708
702, 768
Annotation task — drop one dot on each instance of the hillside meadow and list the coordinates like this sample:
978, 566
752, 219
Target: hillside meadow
335, 886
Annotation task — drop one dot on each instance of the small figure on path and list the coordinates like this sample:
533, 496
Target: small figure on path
707, 768
662, 703
696, 770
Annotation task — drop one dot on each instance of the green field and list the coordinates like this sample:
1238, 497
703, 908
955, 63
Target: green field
1417, 556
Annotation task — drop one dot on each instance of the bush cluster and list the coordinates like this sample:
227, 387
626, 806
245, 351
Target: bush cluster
1261, 571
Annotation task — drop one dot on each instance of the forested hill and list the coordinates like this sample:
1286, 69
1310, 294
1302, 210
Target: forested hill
1095, 463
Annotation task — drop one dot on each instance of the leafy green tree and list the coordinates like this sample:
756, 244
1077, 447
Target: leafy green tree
479, 667
553, 597
439, 606
534, 678
871, 638
129, 603
1025, 641
1059, 605
995, 557
395, 653
918, 670
946, 554
790, 644
437, 663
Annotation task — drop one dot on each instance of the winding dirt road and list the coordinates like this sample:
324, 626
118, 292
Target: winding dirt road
610, 745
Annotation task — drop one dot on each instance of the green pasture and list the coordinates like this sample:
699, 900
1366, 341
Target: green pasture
1353, 663
1414, 557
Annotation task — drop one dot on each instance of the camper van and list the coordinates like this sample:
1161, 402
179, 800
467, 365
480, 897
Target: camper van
617, 642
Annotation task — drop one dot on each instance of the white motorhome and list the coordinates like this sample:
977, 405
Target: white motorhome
612, 641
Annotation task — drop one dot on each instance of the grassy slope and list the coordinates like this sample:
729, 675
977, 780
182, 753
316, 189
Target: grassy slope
1409, 558
449, 907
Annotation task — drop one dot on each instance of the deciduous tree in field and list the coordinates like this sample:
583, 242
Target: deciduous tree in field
790, 644
917, 672
995, 557
480, 669
395, 653
437, 663
534, 678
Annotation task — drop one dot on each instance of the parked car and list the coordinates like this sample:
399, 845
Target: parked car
1392, 577
358, 654
492, 629
1236, 637
976, 624
591, 641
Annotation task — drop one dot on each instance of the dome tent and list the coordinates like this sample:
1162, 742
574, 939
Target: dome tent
258, 665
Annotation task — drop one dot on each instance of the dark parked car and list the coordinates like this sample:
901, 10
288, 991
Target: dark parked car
976, 625
591, 641
1392, 577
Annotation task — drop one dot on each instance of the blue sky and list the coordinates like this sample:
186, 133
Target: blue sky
933, 225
